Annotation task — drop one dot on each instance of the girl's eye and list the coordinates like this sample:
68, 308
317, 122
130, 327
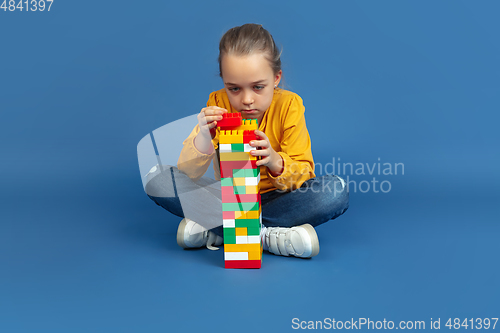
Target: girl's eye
259, 87
233, 89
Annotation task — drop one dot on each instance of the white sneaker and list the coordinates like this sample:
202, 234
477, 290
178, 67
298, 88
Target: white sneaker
301, 241
191, 235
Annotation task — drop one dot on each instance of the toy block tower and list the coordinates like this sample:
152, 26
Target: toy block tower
241, 207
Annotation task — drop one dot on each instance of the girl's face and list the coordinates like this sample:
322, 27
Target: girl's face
249, 82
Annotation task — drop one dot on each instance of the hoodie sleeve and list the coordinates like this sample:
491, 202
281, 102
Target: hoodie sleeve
193, 162
295, 148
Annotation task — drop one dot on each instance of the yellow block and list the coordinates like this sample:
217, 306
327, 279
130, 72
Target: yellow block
254, 255
253, 214
239, 156
241, 247
233, 136
252, 189
248, 124
225, 139
239, 181
241, 231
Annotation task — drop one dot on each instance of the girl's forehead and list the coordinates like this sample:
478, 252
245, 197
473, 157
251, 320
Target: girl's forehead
245, 69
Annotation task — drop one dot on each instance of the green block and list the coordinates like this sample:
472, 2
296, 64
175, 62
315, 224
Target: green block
229, 232
240, 206
229, 239
240, 190
226, 182
248, 223
229, 235
253, 231
240, 173
237, 147
252, 172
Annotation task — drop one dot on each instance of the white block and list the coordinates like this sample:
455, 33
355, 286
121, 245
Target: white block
225, 148
253, 239
241, 239
249, 181
235, 255
228, 223
247, 148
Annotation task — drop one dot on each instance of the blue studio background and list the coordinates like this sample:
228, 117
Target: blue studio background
83, 249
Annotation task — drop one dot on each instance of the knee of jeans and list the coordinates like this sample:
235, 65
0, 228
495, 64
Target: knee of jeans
344, 194
340, 191
160, 185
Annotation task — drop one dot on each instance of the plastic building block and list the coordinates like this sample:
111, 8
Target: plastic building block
228, 215
254, 255
226, 173
233, 198
249, 164
230, 119
247, 223
240, 231
239, 156
236, 255
243, 263
255, 239
249, 135
240, 192
241, 247
254, 214
249, 125
245, 206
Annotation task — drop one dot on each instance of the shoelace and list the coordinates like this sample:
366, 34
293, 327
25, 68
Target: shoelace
211, 240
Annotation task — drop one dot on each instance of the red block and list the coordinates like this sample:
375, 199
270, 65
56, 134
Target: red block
235, 198
249, 164
249, 135
229, 120
226, 173
227, 190
228, 215
243, 263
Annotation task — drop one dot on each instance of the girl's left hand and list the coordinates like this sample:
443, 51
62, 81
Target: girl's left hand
268, 156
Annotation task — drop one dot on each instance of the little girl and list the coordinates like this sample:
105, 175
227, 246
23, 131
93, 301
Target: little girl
293, 199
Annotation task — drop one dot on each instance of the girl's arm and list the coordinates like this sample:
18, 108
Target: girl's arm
294, 148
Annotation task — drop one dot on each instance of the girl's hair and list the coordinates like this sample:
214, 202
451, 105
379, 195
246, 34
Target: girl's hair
247, 39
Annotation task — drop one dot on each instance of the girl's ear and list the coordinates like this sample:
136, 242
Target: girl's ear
277, 78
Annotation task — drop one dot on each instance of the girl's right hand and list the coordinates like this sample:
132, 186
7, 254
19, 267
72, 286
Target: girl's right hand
207, 120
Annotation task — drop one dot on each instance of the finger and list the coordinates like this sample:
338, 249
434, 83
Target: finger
263, 152
210, 119
261, 134
262, 161
217, 110
212, 110
259, 143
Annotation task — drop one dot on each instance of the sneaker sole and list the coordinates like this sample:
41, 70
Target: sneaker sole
314, 239
180, 234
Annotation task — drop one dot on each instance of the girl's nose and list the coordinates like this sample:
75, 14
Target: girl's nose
247, 98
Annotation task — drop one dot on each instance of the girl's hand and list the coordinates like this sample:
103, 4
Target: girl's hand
207, 120
268, 156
